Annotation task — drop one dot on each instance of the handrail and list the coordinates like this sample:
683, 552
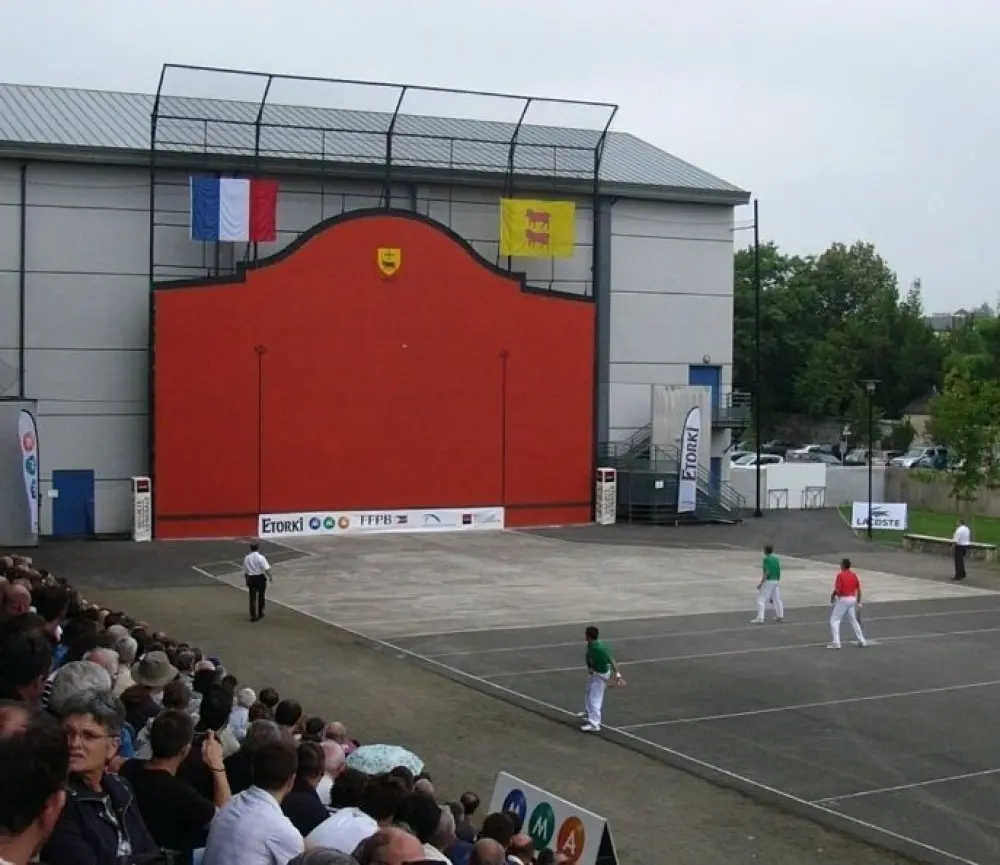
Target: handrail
725, 492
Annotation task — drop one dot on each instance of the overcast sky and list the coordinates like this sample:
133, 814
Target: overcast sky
855, 119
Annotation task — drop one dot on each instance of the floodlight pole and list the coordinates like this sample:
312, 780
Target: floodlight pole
870, 385
756, 340
758, 423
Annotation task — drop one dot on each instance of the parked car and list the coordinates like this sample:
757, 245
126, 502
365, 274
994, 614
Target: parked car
832, 450
859, 457
750, 460
736, 456
933, 456
777, 446
807, 456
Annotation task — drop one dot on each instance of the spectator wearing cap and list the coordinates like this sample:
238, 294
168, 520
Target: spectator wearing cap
302, 805
35, 759
252, 829
25, 659
151, 675
101, 824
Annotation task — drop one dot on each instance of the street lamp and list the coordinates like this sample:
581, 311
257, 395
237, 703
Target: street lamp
756, 341
870, 385
758, 424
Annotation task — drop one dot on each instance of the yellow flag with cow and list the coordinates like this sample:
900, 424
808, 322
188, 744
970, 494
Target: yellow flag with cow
537, 229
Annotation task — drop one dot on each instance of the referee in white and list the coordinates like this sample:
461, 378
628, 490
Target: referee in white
960, 548
257, 573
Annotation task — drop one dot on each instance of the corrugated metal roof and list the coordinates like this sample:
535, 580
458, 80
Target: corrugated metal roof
70, 118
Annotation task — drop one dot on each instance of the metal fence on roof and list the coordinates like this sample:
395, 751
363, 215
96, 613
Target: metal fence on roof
260, 116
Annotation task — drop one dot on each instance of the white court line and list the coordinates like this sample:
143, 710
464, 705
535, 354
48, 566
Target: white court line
711, 767
668, 634
817, 705
760, 649
900, 787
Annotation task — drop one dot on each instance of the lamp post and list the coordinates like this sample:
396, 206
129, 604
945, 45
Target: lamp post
758, 424
870, 384
756, 342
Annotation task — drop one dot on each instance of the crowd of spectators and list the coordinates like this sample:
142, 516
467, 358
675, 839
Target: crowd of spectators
121, 745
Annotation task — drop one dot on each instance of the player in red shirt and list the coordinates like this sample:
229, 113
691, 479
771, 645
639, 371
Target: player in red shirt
846, 598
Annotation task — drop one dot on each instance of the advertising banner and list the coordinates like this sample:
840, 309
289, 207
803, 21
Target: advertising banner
555, 824
687, 485
886, 516
27, 432
316, 523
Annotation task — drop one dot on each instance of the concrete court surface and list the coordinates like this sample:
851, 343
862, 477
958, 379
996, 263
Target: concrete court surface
897, 739
402, 585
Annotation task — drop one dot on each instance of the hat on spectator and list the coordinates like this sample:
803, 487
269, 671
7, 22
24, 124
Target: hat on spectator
154, 670
119, 632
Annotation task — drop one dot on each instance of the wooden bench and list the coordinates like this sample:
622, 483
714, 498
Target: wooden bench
942, 547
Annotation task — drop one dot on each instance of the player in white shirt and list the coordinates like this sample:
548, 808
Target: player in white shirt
960, 546
257, 572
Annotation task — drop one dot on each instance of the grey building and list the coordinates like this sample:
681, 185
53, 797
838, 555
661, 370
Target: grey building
80, 210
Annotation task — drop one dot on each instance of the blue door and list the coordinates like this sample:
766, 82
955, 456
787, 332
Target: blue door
73, 507
707, 376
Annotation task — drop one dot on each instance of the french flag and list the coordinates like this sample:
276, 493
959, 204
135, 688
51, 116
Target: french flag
234, 209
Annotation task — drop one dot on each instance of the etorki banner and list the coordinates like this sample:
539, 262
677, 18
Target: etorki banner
27, 432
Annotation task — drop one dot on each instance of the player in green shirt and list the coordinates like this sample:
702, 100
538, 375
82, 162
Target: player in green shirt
767, 589
601, 666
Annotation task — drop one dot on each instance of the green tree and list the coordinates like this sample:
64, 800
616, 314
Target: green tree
827, 322
900, 438
965, 418
857, 419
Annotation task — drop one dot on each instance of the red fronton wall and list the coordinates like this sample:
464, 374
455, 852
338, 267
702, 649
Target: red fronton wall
373, 392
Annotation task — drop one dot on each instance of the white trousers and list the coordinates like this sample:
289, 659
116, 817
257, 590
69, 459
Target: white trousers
770, 593
594, 700
840, 608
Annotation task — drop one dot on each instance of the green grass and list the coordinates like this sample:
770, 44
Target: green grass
985, 530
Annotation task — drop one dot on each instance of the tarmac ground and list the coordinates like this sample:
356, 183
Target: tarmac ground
892, 744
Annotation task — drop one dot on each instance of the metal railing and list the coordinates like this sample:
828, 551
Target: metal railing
727, 497
733, 409
636, 452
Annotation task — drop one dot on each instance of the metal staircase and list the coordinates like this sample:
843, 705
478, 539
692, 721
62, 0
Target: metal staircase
647, 484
